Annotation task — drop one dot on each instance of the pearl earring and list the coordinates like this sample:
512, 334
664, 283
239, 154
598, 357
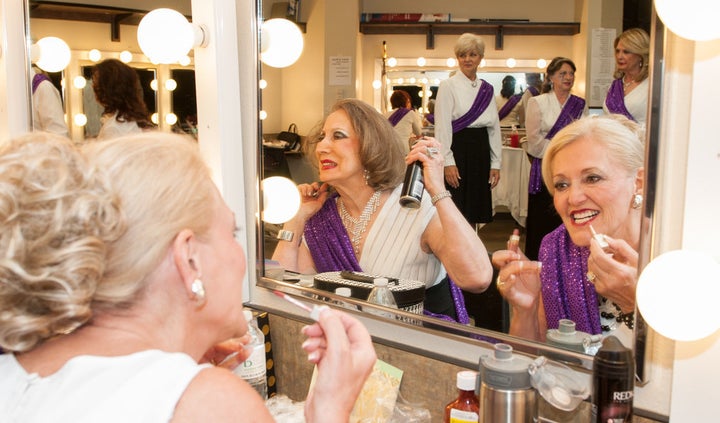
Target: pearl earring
366, 175
637, 201
198, 290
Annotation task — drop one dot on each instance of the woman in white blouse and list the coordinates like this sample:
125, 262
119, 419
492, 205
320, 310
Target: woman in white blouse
468, 129
546, 114
629, 92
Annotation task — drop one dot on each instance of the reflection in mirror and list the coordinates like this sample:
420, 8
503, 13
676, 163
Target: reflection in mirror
368, 87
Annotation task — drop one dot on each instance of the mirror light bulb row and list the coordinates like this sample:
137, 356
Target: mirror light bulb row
451, 62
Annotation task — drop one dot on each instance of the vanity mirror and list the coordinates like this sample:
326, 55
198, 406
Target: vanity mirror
368, 55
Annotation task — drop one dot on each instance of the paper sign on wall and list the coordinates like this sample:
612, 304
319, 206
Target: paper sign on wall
340, 70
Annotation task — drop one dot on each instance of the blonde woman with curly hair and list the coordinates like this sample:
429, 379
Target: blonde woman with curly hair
120, 271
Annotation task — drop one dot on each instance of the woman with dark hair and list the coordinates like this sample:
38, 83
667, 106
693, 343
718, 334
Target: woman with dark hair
352, 219
629, 92
510, 109
404, 119
546, 114
117, 89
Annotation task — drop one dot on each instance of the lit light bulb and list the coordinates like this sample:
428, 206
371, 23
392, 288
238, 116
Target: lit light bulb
392, 62
421, 61
80, 119
451, 62
165, 36
154, 85
281, 43
126, 56
154, 118
262, 84
511, 62
421, 94
376, 84
79, 82
281, 199
411, 80
541, 63
171, 118
170, 84
94, 55
400, 80
691, 19
483, 63
51, 54
694, 315
263, 115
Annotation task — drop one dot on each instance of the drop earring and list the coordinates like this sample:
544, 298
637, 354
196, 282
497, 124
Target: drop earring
366, 175
637, 201
198, 290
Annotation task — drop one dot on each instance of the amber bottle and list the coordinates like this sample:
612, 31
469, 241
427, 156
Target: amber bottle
466, 408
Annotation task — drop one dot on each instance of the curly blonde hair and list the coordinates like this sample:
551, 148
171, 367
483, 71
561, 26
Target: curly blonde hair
56, 218
164, 187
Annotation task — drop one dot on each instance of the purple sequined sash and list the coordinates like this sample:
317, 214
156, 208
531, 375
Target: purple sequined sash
534, 91
508, 106
328, 241
331, 250
482, 100
397, 115
566, 292
573, 110
615, 100
37, 80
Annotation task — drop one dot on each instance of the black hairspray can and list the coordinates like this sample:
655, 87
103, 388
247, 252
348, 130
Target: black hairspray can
613, 383
413, 186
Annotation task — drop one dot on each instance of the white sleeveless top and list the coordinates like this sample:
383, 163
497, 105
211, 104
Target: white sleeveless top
141, 387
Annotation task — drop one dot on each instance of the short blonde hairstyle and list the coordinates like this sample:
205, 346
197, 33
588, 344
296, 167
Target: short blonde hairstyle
56, 218
380, 151
164, 187
622, 139
637, 41
467, 43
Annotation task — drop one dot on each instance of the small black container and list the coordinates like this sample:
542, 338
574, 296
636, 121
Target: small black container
413, 186
613, 382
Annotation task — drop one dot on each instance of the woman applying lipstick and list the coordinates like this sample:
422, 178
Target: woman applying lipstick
593, 170
352, 219
546, 114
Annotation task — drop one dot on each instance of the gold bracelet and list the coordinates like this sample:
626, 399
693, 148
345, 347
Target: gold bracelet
439, 196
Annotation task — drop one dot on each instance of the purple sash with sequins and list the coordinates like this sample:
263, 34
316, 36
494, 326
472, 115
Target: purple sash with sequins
615, 100
508, 106
573, 110
331, 250
566, 292
37, 80
534, 91
482, 100
397, 115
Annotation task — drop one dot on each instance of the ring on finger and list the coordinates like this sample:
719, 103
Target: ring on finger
591, 277
499, 282
431, 151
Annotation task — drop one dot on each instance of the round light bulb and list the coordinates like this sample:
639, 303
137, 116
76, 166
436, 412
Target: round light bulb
685, 282
94, 55
80, 119
541, 63
511, 62
421, 61
392, 62
53, 54
482, 63
281, 199
126, 56
154, 118
262, 115
262, 84
281, 43
451, 62
421, 94
165, 35
171, 118
691, 19
377, 84
79, 82
154, 85
170, 84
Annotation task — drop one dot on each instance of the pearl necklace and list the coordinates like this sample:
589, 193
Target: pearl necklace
626, 85
358, 226
473, 83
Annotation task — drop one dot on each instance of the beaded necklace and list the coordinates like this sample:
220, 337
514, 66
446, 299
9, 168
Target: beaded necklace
614, 317
358, 226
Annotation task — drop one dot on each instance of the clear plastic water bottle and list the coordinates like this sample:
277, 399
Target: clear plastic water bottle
254, 369
382, 295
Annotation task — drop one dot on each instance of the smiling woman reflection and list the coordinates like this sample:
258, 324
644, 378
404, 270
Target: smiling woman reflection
593, 169
352, 220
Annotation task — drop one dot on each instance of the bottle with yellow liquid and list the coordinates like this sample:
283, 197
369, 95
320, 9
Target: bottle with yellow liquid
466, 408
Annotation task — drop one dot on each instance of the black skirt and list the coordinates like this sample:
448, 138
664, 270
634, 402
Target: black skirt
471, 149
541, 220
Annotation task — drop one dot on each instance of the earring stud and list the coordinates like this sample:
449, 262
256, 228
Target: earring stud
637, 201
198, 290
